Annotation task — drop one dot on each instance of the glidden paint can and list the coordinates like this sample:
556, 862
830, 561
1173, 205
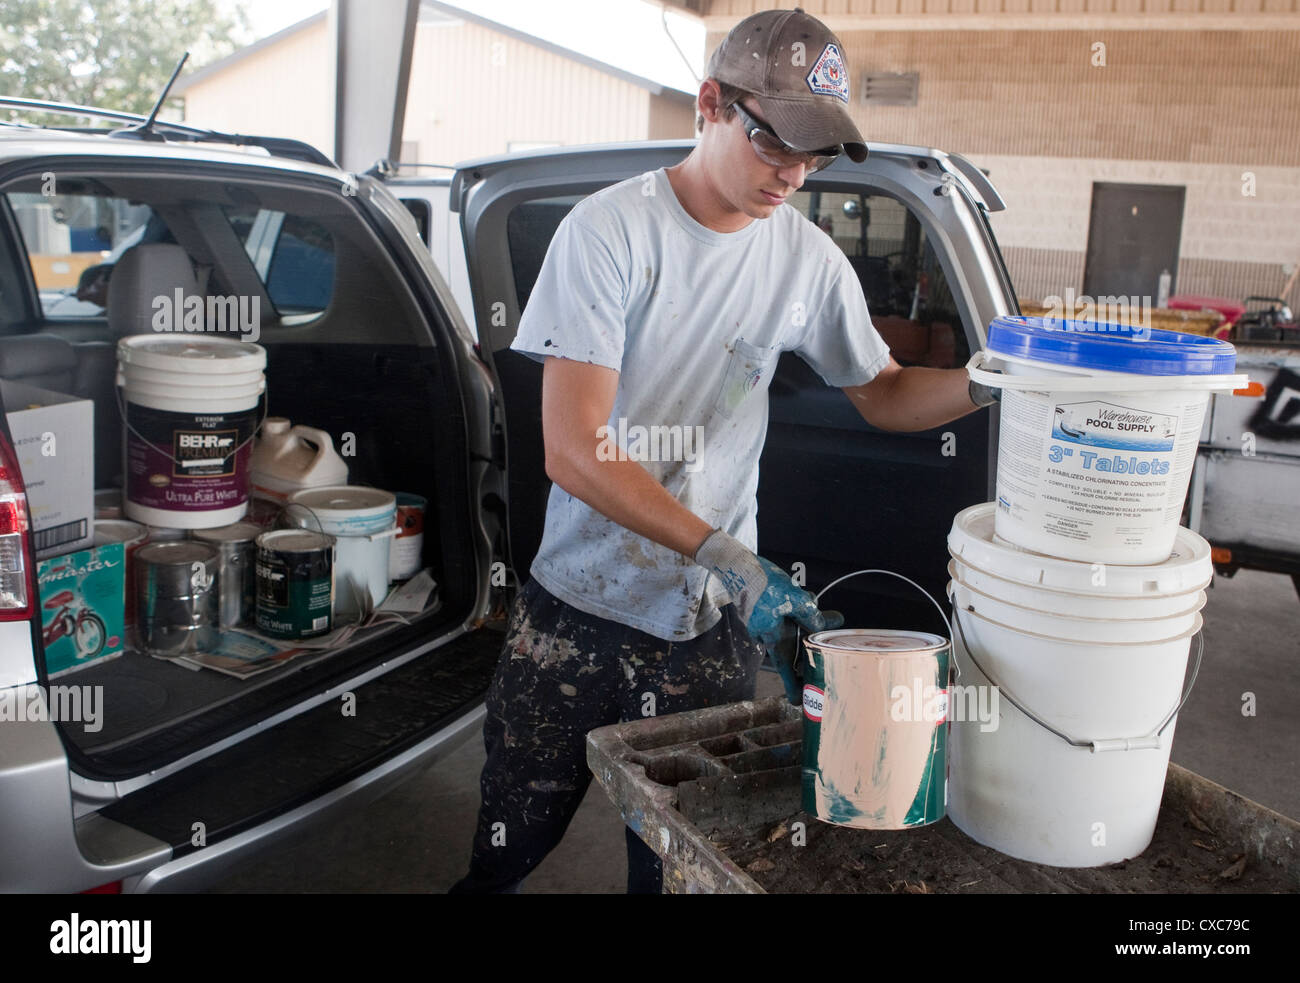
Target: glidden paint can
176, 594
238, 561
295, 583
875, 708
407, 551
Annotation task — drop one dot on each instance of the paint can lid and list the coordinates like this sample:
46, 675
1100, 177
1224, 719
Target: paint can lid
879, 641
295, 541
1109, 346
201, 354
972, 541
118, 531
236, 532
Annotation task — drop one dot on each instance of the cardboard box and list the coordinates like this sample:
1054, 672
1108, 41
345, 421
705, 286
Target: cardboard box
83, 607
53, 436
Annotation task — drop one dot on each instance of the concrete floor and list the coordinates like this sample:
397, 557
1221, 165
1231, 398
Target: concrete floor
416, 838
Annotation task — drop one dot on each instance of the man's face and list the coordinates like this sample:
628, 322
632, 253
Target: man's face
743, 181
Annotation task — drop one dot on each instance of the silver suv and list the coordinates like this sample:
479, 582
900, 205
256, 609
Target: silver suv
187, 773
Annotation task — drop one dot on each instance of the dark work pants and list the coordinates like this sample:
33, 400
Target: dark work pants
562, 673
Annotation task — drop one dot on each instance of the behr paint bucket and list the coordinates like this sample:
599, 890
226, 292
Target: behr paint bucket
176, 593
1099, 429
406, 555
237, 559
362, 520
295, 583
1087, 662
190, 409
875, 734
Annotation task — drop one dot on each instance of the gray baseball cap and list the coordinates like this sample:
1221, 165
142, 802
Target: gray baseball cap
794, 66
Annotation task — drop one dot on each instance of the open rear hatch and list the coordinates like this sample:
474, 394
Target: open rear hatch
358, 345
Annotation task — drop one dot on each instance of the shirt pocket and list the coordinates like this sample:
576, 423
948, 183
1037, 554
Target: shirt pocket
749, 368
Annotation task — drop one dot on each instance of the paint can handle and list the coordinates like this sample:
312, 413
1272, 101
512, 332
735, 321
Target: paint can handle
889, 573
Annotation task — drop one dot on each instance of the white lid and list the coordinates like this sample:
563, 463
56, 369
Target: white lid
884, 641
335, 501
195, 353
971, 540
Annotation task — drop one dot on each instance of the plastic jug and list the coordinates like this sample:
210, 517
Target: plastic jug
289, 458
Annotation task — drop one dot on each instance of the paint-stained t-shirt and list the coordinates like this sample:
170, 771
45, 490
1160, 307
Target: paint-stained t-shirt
694, 321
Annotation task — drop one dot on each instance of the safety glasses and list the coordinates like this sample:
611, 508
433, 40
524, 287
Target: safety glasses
771, 149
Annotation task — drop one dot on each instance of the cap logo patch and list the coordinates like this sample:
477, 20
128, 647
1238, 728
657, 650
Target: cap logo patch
828, 76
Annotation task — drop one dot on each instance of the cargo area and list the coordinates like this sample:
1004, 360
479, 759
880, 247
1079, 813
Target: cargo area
350, 351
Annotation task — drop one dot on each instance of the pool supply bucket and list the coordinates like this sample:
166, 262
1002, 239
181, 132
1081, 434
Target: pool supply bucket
1099, 430
363, 522
295, 583
176, 596
237, 562
288, 458
875, 726
407, 554
1069, 768
190, 409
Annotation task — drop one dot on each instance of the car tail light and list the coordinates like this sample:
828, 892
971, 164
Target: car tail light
17, 565
112, 887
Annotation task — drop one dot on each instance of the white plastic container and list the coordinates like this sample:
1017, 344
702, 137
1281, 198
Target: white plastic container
190, 409
288, 458
1099, 429
1096, 653
362, 521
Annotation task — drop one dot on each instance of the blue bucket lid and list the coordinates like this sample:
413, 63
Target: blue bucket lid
1110, 347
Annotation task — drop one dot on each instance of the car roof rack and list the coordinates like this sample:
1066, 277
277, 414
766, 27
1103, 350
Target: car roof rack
275, 146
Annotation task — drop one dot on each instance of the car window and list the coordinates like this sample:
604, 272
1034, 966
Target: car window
71, 241
293, 256
907, 293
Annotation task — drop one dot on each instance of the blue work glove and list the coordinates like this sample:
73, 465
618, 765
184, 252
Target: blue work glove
765, 597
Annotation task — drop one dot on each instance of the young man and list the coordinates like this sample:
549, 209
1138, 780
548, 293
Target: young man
665, 301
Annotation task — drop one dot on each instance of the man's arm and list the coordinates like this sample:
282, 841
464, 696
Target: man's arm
912, 398
577, 398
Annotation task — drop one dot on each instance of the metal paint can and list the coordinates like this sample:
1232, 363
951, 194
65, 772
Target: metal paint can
132, 535
176, 597
407, 552
295, 583
108, 503
363, 521
238, 563
876, 728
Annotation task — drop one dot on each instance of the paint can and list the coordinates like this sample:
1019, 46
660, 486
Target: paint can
363, 521
295, 583
176, 597
407, 553
190, 407
108, 503
132, 536
237, 551
875, 728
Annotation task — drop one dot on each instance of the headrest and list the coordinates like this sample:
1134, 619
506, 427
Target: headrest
143, 273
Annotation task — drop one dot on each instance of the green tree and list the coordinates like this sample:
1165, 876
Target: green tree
111, 54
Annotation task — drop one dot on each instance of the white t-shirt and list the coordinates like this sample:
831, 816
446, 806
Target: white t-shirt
694, 321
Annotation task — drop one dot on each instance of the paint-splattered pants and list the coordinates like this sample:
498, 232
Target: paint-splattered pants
562, 673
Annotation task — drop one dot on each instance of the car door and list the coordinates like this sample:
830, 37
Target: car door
835, 494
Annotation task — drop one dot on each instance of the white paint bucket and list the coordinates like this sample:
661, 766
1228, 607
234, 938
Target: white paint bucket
190, 409
1071, 769
362, 521
1099, 429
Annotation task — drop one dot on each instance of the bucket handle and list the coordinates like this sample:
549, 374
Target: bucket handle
121, 408
889, 573
976, 369
1149, 742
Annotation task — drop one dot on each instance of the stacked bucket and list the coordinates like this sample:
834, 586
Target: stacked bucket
1076, 595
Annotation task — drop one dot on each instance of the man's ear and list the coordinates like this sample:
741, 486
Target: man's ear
710, 99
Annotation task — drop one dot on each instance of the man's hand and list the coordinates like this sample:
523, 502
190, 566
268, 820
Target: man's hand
763, 593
